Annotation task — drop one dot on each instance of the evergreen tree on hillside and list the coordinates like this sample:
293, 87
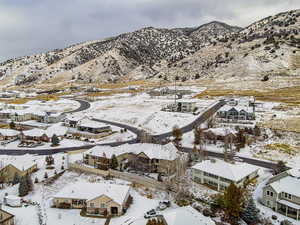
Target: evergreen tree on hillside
23, 187
251, 214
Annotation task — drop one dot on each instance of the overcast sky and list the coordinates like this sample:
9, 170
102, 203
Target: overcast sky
33, 26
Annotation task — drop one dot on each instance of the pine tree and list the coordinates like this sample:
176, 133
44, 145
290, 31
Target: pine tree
251, 214
233, 202
54, 140
29, 182
36, 180
16, 179
23, 187
12, 125
46, 175
114, 162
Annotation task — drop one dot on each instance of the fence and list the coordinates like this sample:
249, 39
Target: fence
147, 182
85, 169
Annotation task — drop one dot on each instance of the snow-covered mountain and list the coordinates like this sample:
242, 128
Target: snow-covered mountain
270, 46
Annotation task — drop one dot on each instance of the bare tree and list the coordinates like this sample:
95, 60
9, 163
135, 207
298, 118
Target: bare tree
177, 134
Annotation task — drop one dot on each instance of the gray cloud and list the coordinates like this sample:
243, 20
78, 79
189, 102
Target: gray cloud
33, 26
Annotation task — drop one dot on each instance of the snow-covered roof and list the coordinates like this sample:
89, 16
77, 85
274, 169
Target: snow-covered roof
188, 100
234, 172
34, 132
9, 132
287, 184
56, 129
153, 151
221, 131
90, 123
22, 163
186, 215
238, 108
89, 191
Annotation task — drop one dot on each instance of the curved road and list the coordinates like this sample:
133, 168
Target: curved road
84, 105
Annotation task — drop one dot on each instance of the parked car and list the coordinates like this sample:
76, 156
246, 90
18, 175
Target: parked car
151, 213
238, 159
163, 205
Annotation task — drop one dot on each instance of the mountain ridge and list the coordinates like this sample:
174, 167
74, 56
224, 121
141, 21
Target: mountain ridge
154, 53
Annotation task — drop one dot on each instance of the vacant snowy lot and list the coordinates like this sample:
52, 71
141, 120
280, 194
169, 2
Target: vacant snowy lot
143, 111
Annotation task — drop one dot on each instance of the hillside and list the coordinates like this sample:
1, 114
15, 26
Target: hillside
214, 50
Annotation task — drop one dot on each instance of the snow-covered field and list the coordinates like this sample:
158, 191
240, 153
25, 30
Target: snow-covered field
143, 111
61, 105
47, 145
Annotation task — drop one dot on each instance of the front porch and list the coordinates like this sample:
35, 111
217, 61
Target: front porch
288, 209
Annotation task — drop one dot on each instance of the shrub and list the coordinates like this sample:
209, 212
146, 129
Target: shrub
286, 222
274, 217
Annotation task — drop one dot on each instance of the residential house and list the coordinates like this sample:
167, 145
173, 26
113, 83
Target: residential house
282, 193
6, 218
185, 216
57, 129
184, 106
220, 134
94, 127
72, 120
99, 199
35, 135
236, 113
143, 157
219, 174
21, 165
8, 134
51, 117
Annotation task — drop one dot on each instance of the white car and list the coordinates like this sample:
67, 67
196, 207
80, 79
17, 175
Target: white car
151, 213
238, 159
163, 205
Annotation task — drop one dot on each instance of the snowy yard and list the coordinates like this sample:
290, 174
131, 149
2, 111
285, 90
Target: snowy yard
61, 105
53, 216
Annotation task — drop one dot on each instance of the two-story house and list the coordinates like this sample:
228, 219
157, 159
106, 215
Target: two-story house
235, 113
219, 174
142, 157
282, 193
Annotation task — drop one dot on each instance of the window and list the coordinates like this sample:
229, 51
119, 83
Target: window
288, 196
92, 205
102, 205
270, 193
